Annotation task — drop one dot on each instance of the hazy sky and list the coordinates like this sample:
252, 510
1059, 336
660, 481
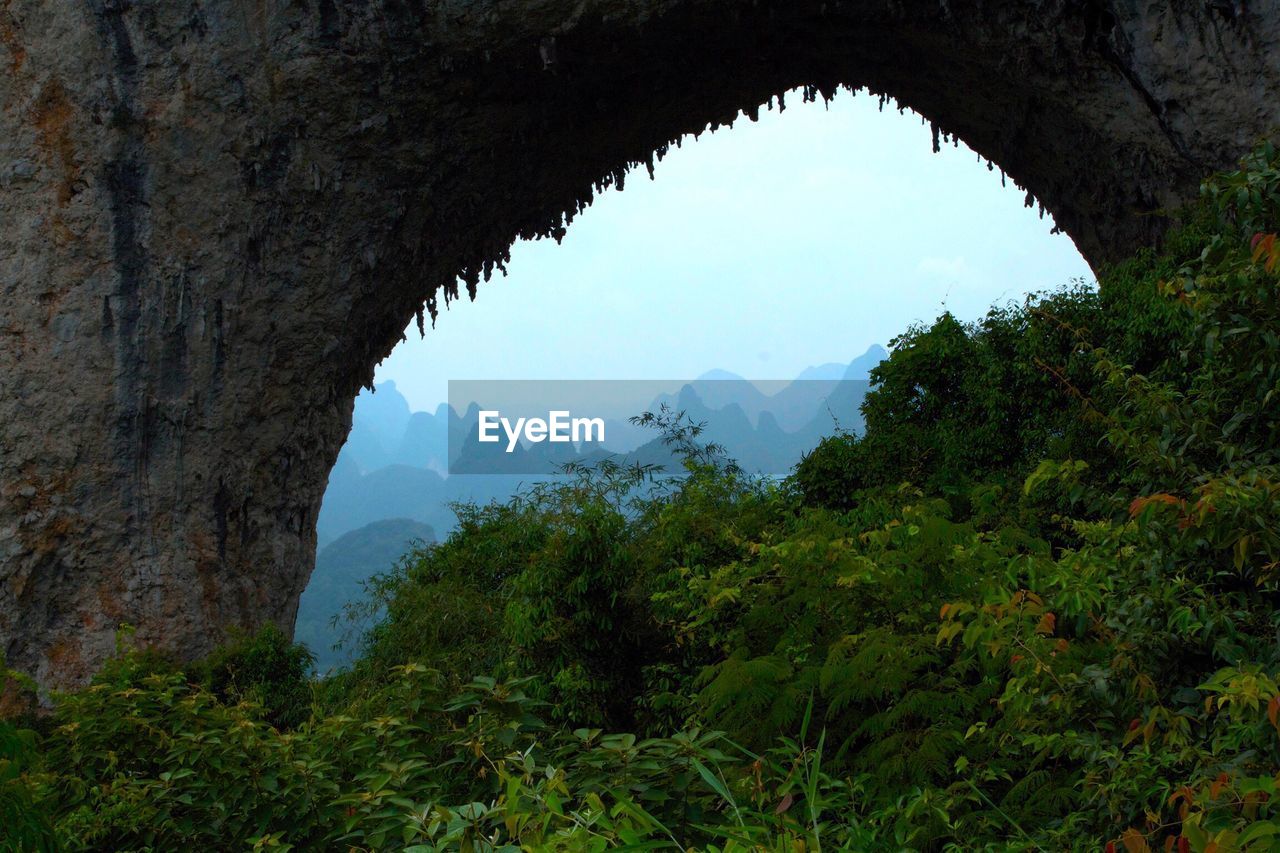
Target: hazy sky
761, 249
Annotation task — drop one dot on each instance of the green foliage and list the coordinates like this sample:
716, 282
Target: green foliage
1032, 608
962, 404
265, 668
559, 581
24, 826
958, 404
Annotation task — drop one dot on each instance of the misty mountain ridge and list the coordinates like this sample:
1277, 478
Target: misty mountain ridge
396, 461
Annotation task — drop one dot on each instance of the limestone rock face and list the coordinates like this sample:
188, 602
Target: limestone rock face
216, 217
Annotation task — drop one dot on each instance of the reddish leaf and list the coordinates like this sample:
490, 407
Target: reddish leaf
1265, 249
1135, 841
1217, 785
1047, 623
1139, 504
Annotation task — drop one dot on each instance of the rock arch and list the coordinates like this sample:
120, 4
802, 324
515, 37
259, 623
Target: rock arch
218, 216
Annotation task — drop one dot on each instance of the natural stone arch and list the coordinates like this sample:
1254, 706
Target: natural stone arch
218, 217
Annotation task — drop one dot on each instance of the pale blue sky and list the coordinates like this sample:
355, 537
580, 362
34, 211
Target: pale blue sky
761, 249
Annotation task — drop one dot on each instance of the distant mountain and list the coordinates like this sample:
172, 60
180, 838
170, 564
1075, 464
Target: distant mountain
385, 412
391, 481
396, 461
792, 404
425, 442
394, 491
403, 491
718, 375
714, 394
377, 426
342, 567
831, 370
860, 367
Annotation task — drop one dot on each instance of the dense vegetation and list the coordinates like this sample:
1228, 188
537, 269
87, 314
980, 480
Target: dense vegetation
1033, 607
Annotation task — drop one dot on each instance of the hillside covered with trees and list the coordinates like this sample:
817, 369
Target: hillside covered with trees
1032, 607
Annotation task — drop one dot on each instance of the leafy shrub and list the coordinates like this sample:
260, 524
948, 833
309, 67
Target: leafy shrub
265, 668
23, 825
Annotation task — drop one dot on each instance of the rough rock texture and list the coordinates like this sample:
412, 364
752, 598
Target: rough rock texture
217, 216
